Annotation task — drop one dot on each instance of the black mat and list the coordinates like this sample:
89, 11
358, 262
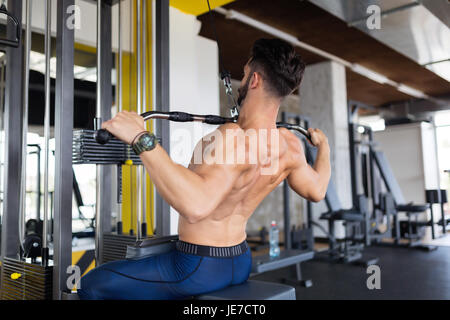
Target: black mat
405, 274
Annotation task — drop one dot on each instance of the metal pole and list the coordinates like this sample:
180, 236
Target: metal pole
308, 203
139, 110
352, 146
373, 191
119, 67
97, 125
38, 169
2, 86
144, 109
120, 108
48, 18
13, 136
64, 106
2, 94
104, 103
162, 99
98, 113
286, 207
23, 182
130, 167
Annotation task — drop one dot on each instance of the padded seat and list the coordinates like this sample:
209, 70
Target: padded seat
252, 290
346, 215
413, 207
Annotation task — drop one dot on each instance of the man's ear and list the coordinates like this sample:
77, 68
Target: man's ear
255, 80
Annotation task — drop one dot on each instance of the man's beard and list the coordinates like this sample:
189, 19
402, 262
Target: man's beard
243, 90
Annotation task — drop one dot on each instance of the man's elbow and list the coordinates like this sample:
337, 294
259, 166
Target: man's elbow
196, 214
317, 196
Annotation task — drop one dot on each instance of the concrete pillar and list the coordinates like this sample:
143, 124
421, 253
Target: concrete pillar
323, 97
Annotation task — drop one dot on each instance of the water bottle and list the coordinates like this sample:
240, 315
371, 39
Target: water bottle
273, 240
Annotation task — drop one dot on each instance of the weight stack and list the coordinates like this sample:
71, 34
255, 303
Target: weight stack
34, 281
86, 150
115, 246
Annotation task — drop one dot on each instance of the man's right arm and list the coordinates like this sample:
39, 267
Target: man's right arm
312, 182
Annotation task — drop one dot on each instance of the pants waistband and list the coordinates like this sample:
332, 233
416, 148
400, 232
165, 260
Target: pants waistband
208, 251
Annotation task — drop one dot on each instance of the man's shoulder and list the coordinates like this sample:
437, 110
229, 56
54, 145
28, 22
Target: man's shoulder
293, 146
229, 126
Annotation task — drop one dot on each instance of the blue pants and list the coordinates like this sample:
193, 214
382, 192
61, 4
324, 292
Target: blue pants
179, 274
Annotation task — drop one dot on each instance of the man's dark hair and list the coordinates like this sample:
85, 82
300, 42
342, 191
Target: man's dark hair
280, 66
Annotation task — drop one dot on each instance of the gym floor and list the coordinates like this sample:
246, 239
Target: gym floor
406, 273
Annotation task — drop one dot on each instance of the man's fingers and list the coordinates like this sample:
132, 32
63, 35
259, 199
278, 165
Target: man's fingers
106, 124
312, 132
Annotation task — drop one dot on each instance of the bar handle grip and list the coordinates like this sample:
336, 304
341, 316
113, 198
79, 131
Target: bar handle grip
102, 136
178, 116
212, 119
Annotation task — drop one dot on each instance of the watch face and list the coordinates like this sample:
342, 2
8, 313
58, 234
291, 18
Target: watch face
147, 140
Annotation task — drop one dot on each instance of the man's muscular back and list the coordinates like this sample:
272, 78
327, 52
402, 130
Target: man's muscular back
215, 200
268, 161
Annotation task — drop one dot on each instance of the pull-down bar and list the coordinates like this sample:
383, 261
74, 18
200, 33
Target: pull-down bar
102, 136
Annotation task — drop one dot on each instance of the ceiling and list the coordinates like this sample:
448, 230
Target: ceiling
411, 27
319, 28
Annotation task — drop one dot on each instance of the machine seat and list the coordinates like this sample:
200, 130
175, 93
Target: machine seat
345, 215
413, 208
252, 290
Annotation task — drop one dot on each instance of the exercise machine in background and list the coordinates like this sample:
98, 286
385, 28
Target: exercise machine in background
13, 27
412, 229
372, 176
24, 276
350, 248
440, 197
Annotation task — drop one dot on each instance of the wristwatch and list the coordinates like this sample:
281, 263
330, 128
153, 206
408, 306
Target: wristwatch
146, 142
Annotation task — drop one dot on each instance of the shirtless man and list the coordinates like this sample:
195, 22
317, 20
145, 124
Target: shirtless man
216, 198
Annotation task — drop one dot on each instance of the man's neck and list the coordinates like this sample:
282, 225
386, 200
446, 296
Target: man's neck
258, 113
